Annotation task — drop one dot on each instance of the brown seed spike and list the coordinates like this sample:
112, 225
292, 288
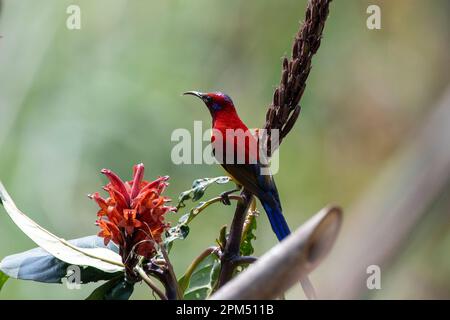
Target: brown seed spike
299, 96
271, 115
285, 63
284, 114
295, 50
284, 77
295, 66
305, 48
275, 97
281, 96
290, 122
295, 71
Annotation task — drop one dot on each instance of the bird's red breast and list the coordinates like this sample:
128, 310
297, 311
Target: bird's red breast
234, 135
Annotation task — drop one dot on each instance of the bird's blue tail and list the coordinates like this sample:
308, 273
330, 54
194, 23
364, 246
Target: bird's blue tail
271, 204
276, 218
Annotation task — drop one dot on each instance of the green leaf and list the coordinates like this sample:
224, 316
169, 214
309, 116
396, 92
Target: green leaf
183, 282
222, 240
198, 189
115, 289
3, 279
38, 265
248, 235
203, 280
180, 231
100, 258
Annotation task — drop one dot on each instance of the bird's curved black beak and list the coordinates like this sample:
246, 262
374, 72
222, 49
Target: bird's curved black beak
194, 93
203, 96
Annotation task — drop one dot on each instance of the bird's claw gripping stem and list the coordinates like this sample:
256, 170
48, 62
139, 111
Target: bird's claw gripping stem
225, 196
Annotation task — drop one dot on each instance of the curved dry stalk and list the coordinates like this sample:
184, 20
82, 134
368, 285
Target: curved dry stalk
292, 259
308, 288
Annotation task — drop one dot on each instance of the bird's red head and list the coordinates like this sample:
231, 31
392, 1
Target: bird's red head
217, 102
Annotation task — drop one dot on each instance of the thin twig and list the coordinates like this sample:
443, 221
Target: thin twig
150, 283
232, 247
206, 204
244, 260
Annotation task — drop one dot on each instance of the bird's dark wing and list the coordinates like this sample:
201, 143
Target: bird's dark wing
249, 176
263, 187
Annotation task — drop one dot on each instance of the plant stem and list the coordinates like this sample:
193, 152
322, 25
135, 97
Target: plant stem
161, 273
150, 283
244, 260
232, 247
206, 204
171, 274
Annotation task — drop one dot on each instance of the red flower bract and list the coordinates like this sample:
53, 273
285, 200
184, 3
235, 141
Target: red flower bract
133, 215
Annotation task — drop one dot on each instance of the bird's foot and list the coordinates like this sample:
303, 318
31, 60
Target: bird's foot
225, 197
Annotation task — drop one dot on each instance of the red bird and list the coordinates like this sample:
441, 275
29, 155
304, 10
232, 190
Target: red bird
244, 164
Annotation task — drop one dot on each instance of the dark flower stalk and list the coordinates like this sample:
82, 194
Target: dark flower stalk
285, 109
281, 114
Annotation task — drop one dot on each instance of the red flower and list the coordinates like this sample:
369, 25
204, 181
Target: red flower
133, 215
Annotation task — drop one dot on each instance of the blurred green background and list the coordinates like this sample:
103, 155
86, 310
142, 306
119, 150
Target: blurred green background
109, 96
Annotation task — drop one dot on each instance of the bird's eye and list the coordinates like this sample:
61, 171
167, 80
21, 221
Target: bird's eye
216, 107
207, 99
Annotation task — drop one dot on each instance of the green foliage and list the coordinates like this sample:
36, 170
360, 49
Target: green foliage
183, 282
199, 186
203, 279
3, 279
115, 289
198, 189
248, 235
180, 231
38, 265
222, 240
96, 257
